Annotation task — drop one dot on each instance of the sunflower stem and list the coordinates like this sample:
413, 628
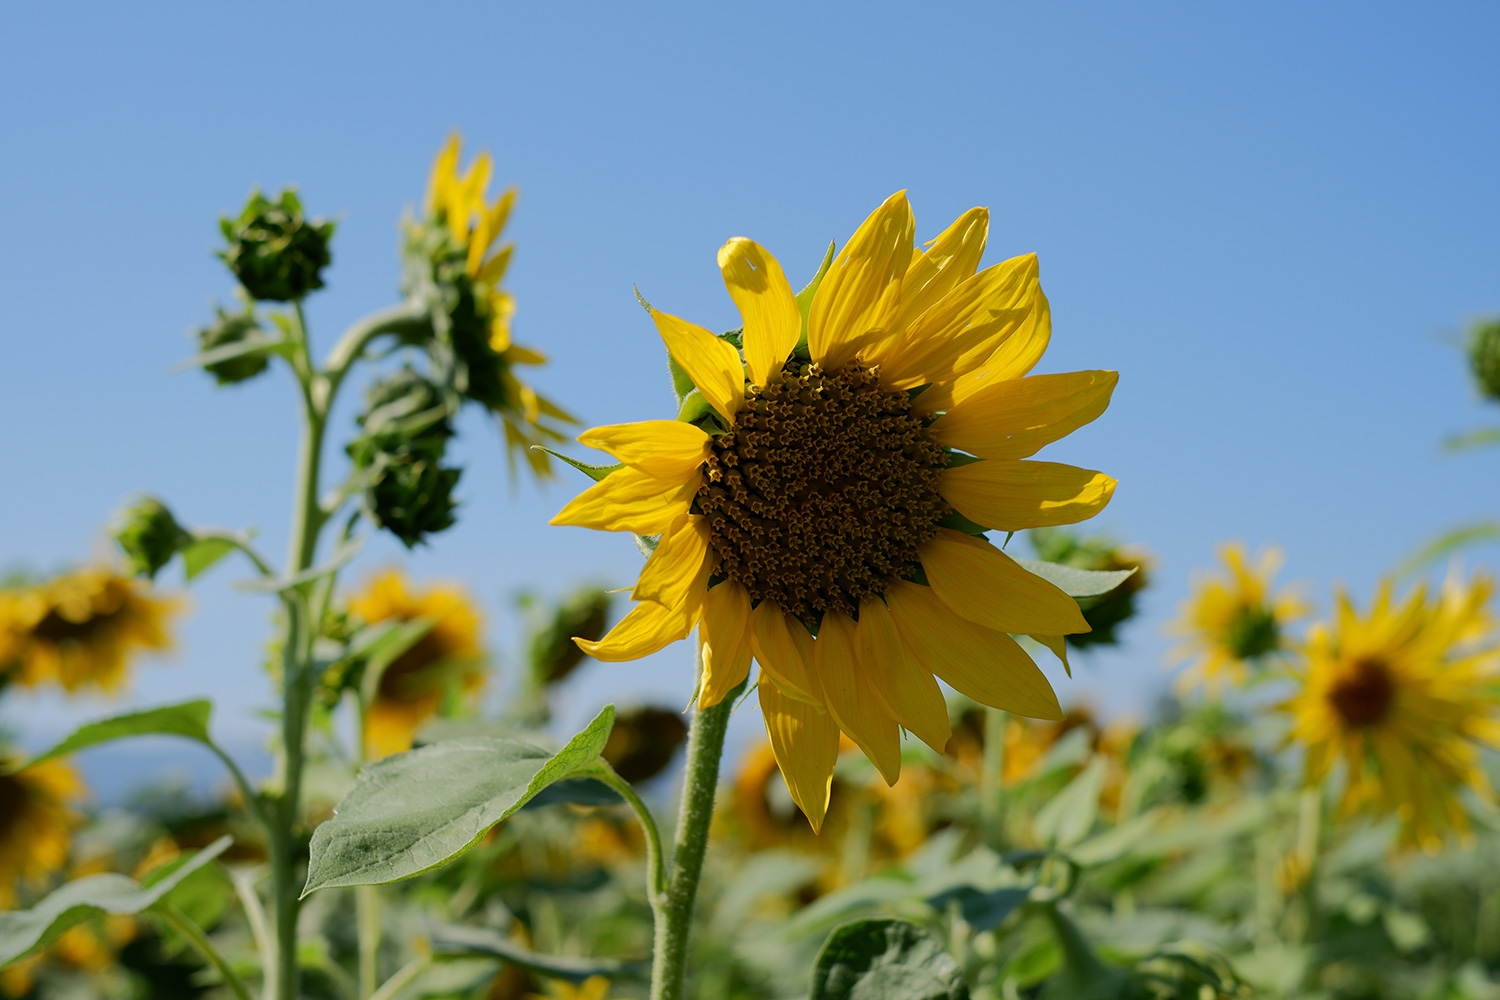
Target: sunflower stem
673, 909
991, 780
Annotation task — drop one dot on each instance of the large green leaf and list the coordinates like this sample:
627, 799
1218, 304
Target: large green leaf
202, 553
885, 960
981, 910
23, 931
415, 811
1070, 815
1077, 582
189, 720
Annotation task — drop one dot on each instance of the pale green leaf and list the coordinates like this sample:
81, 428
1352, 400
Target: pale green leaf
189, 720
886, 960
1077, 582
203, 553
1070, 815
449, 939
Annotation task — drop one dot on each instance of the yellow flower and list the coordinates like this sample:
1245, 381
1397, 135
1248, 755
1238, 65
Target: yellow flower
481, 318
413, 687
819, 507
592, 988
1232, 619
80, 629
36, 824
1402, 698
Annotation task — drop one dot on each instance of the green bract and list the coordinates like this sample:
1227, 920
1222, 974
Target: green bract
277, 255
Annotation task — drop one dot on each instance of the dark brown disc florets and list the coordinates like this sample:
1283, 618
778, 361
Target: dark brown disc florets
823, 490
1363, 696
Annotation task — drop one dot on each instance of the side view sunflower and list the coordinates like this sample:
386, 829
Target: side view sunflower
1232, 620
414, 685
1403, 698
825, 517
81, 629
457, 250
36, 824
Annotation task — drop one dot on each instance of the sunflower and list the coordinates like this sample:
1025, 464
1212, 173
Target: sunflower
828, 521
36, 823
1232, 620
479, 313
80, 629
413, 686
592, 988
1403, 697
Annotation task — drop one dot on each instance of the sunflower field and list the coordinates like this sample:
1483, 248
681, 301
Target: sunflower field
900, 766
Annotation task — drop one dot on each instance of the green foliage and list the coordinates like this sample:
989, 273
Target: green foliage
1484, 356
551, 653
188, 720
1076, 582
234, 348
1105, 612
277, 254
150, 536
885, 960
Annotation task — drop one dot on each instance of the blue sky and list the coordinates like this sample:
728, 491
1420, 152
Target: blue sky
1272, 220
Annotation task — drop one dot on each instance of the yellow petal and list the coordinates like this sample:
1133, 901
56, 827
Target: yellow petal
783, 649
984, 585
723, 642
860, 292
670, 449
1015, 418
850, 699
1059, 648
1015, 356
980, 663
962, 330
647, 628
499, 212
904, 687
676, 565
1011, 495
951, 258
773, 324
493, 270
805, 741
712, 364
630, 500
444, 170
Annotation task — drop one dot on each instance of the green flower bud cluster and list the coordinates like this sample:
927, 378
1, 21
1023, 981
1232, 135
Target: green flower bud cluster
150, 536
550, 651
233, 329
277, 255
407, 423
1107, 612
1484, 356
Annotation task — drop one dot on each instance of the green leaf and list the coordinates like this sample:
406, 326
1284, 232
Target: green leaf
23, 931
1448, 543
1115, 842
415, 811
594, 472
805, 297
203, 553
189, 720
1070, 815
1481, 437
885, 960
229, 352
983, 911
1077, 582
341, 557
454, 940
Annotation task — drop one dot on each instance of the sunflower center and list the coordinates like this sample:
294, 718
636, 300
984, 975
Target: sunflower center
1363, 696
55, 628
13, 801
823, 490
1252, 633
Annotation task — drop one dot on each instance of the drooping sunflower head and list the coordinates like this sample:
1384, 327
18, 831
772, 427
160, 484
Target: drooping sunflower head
822, 509
1399, 701
81, 629
36, 824
454, 256
1234, 620
447, 659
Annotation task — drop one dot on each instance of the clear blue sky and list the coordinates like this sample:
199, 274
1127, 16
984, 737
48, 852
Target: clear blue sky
1267, 217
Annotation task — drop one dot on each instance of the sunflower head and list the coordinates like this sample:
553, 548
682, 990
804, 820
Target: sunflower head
1234, 620
80, 629
643, 742
822, 510
37, 819
1398, 701
551, 653
276, 253
149, 536
447, 660
1484, 356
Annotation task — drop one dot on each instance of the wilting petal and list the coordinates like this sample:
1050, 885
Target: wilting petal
671, 449
679, 561
630, 500
647, 628
1012, 495
984, 585
905, 688
862, 287
712, 364
851, 699
1016, 418
981, 663
773, 323
783, 649
723, 642
805, 741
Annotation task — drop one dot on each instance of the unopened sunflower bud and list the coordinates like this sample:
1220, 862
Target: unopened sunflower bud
150, 536
643, 742
408, 407
277, 255
412, 494
1484, 356
228, 329
551, 651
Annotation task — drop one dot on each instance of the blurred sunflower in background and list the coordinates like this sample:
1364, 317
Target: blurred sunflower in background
449, 658
1232, 620
36, 824
823, 512
452, 259
81, 629
1403, 698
